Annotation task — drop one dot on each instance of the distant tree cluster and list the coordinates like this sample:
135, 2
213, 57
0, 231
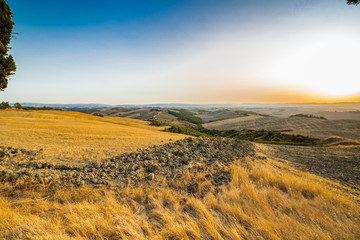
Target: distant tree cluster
38, 108
353, 2
185, 115
4, 105
7, 64
18, 106
308, 116
98, 114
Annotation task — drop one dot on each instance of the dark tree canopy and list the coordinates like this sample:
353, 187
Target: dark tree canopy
18, 106
353, 2
7, 64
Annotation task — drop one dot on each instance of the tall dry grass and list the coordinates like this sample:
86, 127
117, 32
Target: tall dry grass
261, 202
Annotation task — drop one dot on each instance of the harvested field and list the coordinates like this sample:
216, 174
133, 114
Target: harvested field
339, 142
192, 188
340, 115
215, 124
141, 114
164, 117
305, 126
74, 136
218, 115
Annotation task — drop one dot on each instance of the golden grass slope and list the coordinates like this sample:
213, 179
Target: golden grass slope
261, 202
77, 136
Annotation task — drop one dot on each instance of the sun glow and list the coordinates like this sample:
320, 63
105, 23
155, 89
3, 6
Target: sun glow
325, 64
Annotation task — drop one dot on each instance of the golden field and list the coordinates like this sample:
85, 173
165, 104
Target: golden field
264, 200
76, 136
261, 202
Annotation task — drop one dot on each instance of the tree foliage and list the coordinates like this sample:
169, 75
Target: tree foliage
4, 105
7, 64
353, 2
185, 115
18, 106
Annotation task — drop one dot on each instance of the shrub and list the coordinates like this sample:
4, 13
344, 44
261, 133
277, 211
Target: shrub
18, 106
185, 130
308, 116
98, 114
157, 123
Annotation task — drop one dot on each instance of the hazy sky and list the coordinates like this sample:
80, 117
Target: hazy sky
194, 51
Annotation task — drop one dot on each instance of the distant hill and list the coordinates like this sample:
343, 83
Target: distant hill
319, 128
90, 105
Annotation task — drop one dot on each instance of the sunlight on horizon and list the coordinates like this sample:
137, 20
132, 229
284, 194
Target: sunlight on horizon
236, 51
325, 64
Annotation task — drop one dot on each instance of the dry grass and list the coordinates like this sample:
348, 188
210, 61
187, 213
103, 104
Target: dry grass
338, 164
261, 202
264, 200
77, 136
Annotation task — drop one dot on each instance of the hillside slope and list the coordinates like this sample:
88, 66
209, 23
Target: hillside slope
338, 164
192, 188
77, 136
196, 188
305, 126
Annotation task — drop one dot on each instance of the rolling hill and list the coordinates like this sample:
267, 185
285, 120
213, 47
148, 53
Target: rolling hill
305, 126
90, 182
77, 136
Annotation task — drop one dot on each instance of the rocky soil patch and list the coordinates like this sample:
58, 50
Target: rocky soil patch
207, 160
10, 153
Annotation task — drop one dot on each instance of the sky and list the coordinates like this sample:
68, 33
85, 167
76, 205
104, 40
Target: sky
189, 51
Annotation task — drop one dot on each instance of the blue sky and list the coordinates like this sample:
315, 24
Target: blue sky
199, 51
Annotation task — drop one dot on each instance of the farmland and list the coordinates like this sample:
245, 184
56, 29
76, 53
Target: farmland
313, 127
67, 175
76, 136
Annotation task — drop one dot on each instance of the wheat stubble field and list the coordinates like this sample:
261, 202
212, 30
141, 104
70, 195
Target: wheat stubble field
76, 136
187, 188
313, 127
